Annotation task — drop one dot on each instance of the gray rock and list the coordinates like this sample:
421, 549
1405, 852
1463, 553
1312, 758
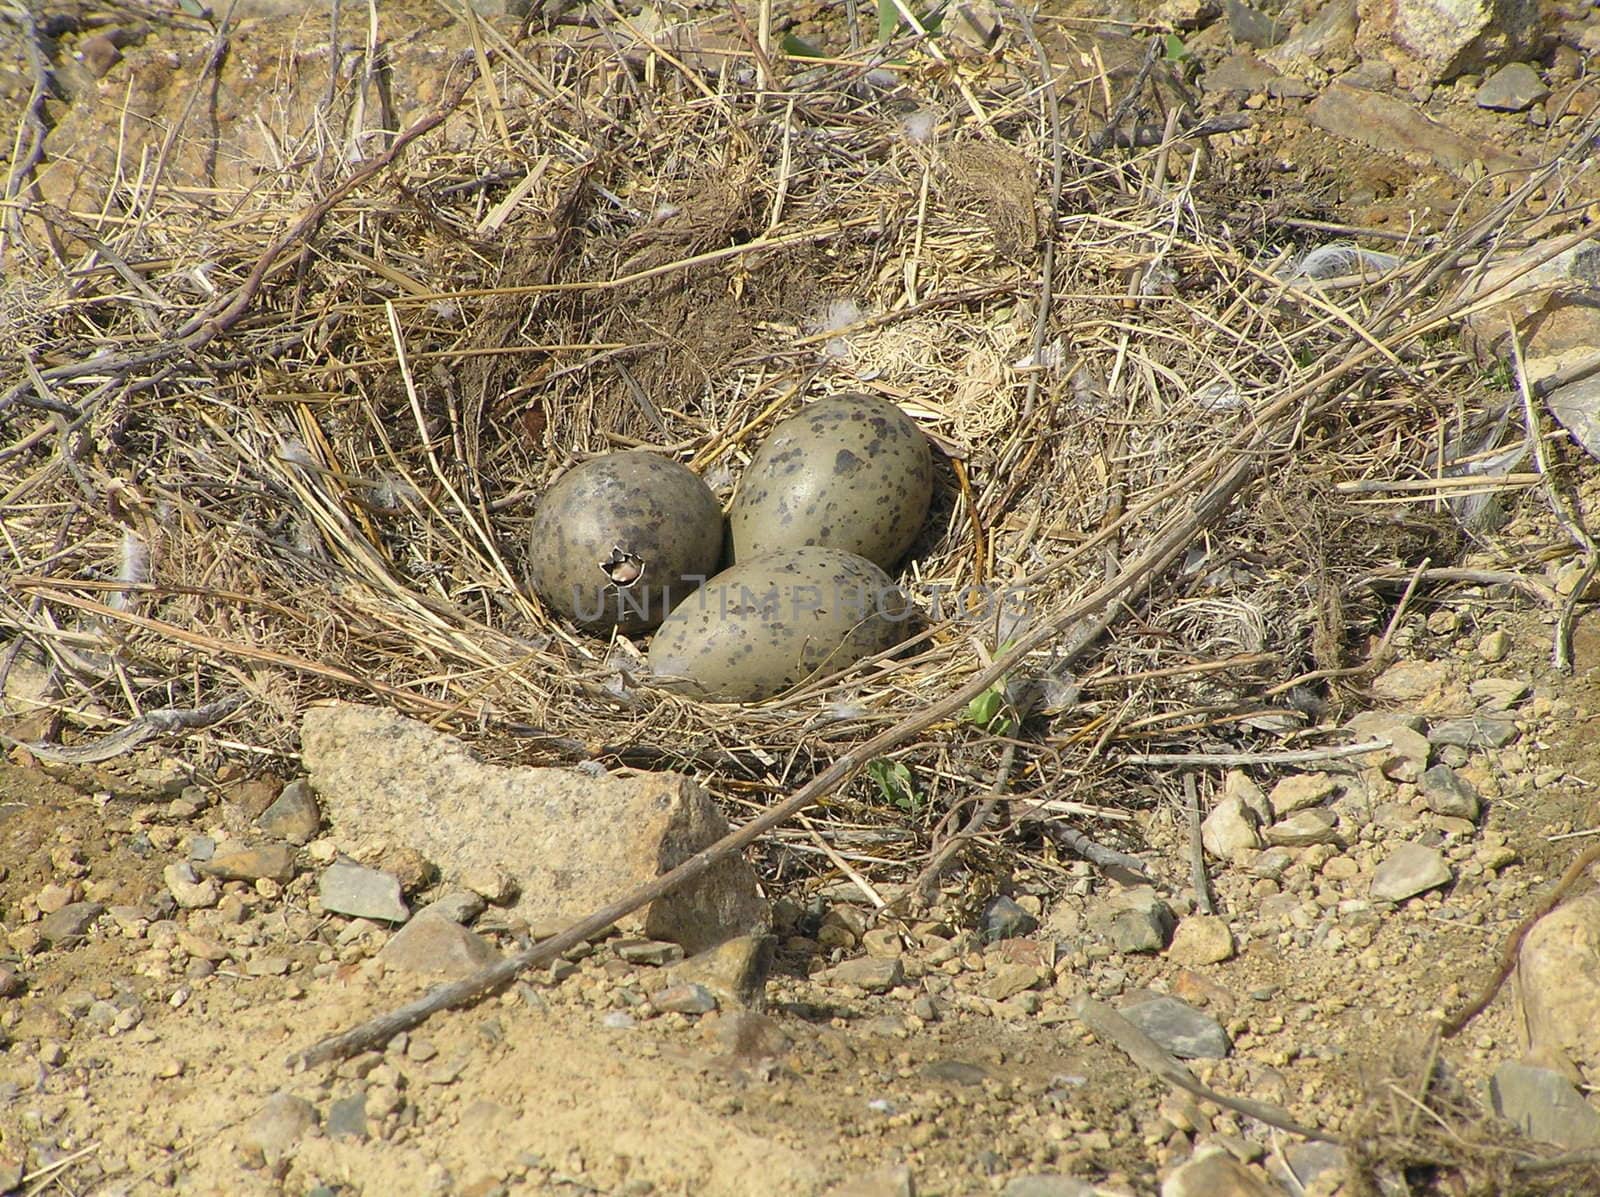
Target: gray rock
1577, 407
1497, 693
1408, 751
1251, 27
957, 1072
735, 972
1558, 987
573, 842
1544, 1106
347, 1117
1229, 828
1300, 791
1448, 794
277, 1127
431, 943
648, 951
1475, 731
294, 816
67, 926
272, 861
886, 1182
1410, 870
1440, 39
1134, 920
1304, 828
1004, 919
363, 893
187, 889
457, 905
1515, 87
1047, 1184
1327, 35
684, 999
866, 973
1178, 1027
1214, 1173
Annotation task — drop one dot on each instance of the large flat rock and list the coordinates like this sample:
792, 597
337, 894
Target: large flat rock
573, 842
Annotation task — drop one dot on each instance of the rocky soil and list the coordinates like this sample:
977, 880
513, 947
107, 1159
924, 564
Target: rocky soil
169, 937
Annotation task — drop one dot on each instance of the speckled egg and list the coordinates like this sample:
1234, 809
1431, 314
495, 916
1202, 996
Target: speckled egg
771, 621
849, 472
621, 539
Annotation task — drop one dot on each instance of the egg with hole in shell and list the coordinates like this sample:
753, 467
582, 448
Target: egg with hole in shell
776, 619
621, 539
850, 472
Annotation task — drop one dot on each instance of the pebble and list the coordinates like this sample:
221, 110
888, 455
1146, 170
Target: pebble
495, 885
1201, 939
1003, 918
1047, 1184
1230, 827
347, 1117
1498, 693
684, 999
457, 905
362, 893
53, 897
1134, 920
1474, 731
1179, 1028
272, 861
1544, 1106
883, 942
1515, 87
1410, 869
294, 816
868, 974
1239, 784
1213, 1172
1009, 980
1449, 794
1306, 1162
1304, 828
735, 972
886, 1182
187, 890
277, 1126
431, 943
1300, 791
1495, 646
11, 984
648, 951
66, 927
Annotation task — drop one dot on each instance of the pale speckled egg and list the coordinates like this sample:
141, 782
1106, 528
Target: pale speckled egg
619, 540
850, 472
763, 625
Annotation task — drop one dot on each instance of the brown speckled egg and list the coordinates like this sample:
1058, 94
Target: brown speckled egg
850, 472
618, 541
776, 619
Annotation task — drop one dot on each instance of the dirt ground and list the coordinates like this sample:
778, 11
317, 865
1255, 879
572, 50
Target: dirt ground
145, 1055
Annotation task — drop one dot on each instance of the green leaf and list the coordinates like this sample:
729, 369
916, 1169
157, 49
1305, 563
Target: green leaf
798, 47
888, 19
894, 782
1176, 50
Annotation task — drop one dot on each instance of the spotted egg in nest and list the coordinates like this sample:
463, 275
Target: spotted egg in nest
621, 539
850, 472
767, 623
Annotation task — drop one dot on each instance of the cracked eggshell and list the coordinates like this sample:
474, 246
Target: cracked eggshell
850, 472
763, 625
621, 539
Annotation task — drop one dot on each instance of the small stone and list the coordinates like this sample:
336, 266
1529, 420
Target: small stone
362, 893
1515, 87
1213, 1172
1251, 27
1545, 1107
1304, 828
1201, 939
1495, 646
1411, 869
1004, 919
684, 999
1410, 680
457, 905
1239, 784
1497, 693
1011, 979
1475, 731
1230, 828
279, 1124
66, 927
1447, 793
1299, 792
886, 1182
868, 974
11, 984
495, 885
294, 816
883, 942
1180, 1029
187, 890
273, 861
431, 943
619, 1020
54, 897
1306, 1163
735, 972
1134, 920
1272, 864
347, 1117
1047, 1184
648, 951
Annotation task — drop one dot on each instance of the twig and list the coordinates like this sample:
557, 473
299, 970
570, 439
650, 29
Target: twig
1144, 1051
1227, 759
1197, 848
1455, 1023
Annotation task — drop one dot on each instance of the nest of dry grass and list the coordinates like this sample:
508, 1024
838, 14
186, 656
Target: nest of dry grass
286, 439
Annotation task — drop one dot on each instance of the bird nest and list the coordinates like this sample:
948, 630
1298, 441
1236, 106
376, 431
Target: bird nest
276, 432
